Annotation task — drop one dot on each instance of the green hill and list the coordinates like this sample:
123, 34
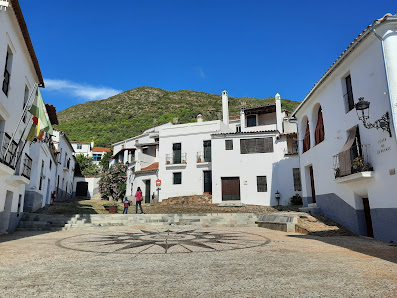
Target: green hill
129, 113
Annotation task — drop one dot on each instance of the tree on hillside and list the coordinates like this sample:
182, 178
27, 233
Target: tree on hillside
86, 166
104, 163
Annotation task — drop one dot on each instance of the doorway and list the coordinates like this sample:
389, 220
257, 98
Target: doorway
147, 191
81, 189
312, 184
368, 219
208, 182
230, 188
47, 200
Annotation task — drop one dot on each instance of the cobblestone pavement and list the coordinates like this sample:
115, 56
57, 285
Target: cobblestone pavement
183, 262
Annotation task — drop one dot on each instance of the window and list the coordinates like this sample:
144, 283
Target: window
297, 179
319, 132
19, 205
261, 184
25, 101
7, 72
238, 128
207, 151
349, 94
257, 145
177, 153
251, 120
306, 138
96, 157
229, 144
157, 139
79, 146
41, 174
178, 178
50, 164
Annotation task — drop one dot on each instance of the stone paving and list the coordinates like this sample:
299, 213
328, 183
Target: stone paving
194, 262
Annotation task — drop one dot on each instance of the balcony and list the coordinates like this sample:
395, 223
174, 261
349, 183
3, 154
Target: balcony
353, 165
203, 158
8, 154
27, 166
291, 150
176, 160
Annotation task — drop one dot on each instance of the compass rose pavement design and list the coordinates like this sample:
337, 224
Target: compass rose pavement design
162, 241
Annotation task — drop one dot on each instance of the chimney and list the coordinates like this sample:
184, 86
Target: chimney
199, 118
225, 107
279, 113
92, 144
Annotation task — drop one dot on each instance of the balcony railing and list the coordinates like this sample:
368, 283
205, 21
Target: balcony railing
353, 161
201, 157
27, 166
171, 159
292, 150
8, 157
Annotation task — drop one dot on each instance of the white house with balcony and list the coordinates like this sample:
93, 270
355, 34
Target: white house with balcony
88, 149
347, 150
244, 159
20, 77
66, 163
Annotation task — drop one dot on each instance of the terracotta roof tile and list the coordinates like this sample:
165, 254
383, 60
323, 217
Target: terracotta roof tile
101, 149
153, 167
52, 113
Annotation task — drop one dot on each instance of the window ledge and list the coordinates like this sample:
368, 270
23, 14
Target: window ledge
356, 177
176, 165
203, 164
289, 154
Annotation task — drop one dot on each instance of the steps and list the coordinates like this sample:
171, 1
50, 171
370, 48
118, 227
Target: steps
277, 222
311, 209
42, 222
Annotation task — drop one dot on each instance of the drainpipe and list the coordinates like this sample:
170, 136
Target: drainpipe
393, 109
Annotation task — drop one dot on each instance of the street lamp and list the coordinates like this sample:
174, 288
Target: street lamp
278, 198
383, 123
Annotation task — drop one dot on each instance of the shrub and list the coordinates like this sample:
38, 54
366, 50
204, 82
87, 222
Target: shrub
296, 200
113, 182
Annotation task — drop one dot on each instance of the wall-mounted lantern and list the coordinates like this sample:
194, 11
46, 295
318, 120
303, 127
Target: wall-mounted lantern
278, 198
382, 123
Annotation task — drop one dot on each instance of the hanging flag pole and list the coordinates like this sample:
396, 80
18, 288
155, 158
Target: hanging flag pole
25, 110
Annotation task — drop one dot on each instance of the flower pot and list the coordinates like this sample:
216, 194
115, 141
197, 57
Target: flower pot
112, 209
199, 160
168, 162
183, 161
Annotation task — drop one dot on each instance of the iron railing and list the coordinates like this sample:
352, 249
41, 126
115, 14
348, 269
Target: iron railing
357, 161
202, 157
171, 159
8, 153
27, 166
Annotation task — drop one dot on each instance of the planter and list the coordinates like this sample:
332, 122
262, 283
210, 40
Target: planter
168, 162
112, 209
199, 160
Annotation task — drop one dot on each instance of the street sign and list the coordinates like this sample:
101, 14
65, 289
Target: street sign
158, 182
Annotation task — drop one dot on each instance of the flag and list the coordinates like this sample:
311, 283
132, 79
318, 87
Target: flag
41, 122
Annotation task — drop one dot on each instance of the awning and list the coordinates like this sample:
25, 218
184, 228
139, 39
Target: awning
345, 162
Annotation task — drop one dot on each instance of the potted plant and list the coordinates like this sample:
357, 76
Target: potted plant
111, 207
359, 165
183, 161
168, 162
199, 159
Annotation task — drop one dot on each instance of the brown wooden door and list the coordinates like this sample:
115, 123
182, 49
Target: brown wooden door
368, 220
312, 184
230, 188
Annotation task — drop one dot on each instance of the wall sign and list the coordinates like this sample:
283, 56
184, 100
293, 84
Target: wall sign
383, 146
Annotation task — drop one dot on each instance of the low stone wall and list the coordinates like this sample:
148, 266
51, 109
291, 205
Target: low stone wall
32, 201
197, 200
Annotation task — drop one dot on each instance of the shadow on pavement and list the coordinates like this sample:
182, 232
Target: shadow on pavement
366, 246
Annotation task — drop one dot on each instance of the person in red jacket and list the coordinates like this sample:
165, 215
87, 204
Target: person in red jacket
126, 205
139, 199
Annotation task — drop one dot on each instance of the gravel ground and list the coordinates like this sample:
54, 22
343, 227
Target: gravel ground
269, 264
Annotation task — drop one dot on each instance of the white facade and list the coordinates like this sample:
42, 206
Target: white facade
42, 178
85, 186
66, 163
84, 148
362, 199
23, 74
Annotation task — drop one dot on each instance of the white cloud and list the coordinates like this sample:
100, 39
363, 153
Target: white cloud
202, 73
81, 91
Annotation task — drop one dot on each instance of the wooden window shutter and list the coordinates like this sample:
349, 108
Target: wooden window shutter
319, 132
306, 139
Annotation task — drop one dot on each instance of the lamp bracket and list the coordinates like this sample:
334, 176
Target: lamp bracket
382, 123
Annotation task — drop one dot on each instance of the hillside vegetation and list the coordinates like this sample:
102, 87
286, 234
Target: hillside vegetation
127, 114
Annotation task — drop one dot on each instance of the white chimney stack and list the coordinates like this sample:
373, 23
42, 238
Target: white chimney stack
225, 107
199, 118
279, 113
92, 144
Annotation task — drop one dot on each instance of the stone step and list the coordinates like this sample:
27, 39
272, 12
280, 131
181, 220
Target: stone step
312, 205
310, 210
277, 222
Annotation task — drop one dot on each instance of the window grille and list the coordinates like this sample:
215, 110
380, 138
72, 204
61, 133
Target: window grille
178, 178
261, 183
229, 144
256, 145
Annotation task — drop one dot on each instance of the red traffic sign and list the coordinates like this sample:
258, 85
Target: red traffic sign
158, 182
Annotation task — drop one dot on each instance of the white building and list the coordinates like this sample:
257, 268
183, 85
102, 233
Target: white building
88, 149
43, 172
348, 170
195, 159
66, 163
22, 75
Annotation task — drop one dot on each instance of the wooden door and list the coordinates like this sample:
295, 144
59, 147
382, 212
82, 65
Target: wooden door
208, 182
147, 191
230, 188
312, 184
368, 219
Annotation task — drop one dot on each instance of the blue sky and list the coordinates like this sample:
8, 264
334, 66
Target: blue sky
90, 50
